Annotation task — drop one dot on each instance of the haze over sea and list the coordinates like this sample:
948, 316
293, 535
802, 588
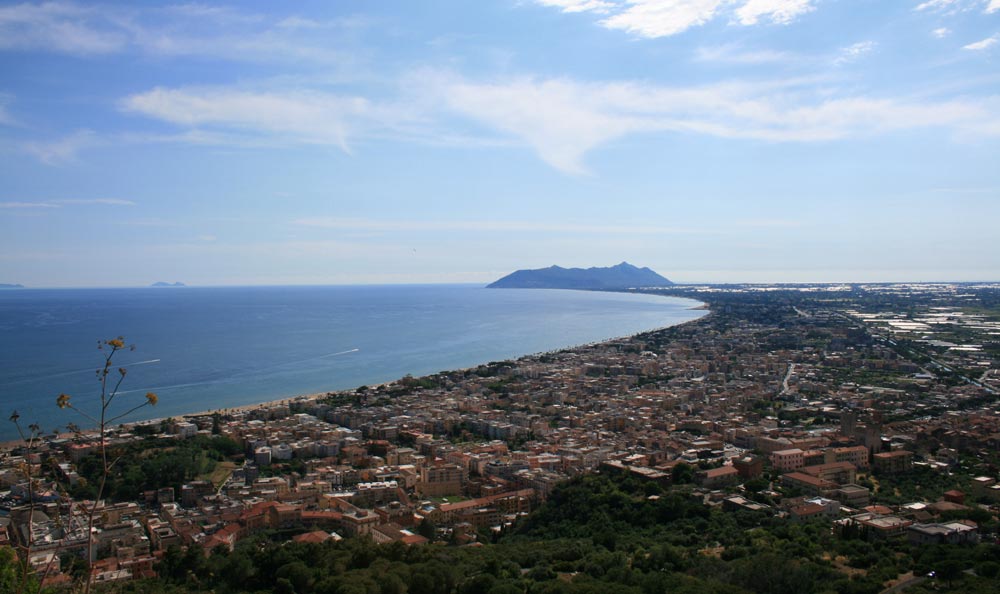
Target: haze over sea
214, 348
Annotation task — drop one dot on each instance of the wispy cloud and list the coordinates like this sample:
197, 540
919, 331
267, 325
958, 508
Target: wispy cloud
736, 54
983, 44
64, 149
70, 202
5, 118
957, 6
99, 201
355, 224
175, 30
941, 32
855, 51
58, 27
562, 119
776, 11
299, 117
598, 6
27, 205
939, 5
662, 18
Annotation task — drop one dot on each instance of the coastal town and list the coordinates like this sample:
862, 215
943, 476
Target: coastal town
865, 409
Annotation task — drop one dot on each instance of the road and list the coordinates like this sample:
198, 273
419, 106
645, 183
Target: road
784, 382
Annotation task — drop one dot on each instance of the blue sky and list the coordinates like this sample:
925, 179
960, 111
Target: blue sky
374, 142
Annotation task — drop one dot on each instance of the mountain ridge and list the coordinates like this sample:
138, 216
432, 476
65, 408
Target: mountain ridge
620, 276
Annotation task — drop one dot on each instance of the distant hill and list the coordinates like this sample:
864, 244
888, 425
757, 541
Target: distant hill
163, 284
6, 286
622, 276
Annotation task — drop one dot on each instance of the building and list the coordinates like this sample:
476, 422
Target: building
441, 480
873, 526
951, 533
853, 495
892, 462
749, 466
856, 455
809, 484
788, 460
714, 478
841, 473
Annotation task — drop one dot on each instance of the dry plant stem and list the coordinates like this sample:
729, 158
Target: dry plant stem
25, 549
104, 419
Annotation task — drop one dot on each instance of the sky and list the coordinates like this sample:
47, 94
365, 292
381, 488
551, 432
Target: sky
343, 142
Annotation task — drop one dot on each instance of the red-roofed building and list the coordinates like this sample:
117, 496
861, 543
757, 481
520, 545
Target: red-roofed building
316, 536
713, 478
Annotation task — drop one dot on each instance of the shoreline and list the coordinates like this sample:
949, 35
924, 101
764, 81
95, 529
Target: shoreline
313, 396
317, 395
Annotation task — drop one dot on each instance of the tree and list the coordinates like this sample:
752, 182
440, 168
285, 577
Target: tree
14, 574
949, 569
682, 474
427, 529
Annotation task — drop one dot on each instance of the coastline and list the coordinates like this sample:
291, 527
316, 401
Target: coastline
313, 396
317, 395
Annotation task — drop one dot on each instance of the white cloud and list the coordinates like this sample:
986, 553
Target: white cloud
983, 44
99, 201
300, 117
938, 4
65, 149
951, 7
70, 202
662, 18
174, 30
855, 51
554, 117
598, 6
562, 120
27, 205
59, 27
941, 32
777, 11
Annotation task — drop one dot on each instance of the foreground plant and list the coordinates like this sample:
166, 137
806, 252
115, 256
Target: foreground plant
103, 418
21, 580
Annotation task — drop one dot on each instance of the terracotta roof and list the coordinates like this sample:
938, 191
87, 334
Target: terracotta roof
721, 471
808, 509
317, 536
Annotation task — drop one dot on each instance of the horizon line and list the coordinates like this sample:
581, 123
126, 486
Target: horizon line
18, 286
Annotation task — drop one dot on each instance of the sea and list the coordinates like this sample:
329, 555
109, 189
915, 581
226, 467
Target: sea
214, 348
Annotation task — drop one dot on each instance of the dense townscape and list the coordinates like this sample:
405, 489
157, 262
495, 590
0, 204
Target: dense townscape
797, 438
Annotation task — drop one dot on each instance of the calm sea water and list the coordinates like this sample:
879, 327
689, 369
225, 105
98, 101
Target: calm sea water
213, 348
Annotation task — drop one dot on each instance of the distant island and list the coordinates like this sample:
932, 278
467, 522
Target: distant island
163, 284
8, 286
622, 276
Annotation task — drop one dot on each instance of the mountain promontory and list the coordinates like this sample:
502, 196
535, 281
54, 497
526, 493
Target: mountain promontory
166, 284
621, 276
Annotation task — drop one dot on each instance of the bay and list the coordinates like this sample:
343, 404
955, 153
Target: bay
220, 347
